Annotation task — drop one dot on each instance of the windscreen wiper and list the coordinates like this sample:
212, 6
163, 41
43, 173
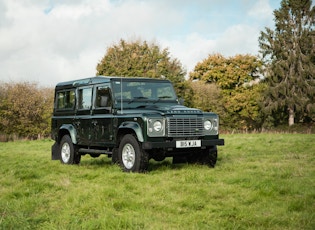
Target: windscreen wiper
137, 98
161, 98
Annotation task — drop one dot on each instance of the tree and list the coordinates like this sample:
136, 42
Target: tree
25, 110
289, 52
237, 79
140, 59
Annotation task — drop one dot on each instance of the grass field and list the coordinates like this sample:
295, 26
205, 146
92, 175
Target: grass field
261, 181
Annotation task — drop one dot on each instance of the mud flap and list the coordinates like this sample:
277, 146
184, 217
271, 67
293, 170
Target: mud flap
115, 159
55, 155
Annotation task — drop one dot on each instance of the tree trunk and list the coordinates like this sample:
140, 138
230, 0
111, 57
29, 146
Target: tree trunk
291, 116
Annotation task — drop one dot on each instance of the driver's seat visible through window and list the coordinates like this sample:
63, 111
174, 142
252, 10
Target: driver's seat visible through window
104, 101
102, 97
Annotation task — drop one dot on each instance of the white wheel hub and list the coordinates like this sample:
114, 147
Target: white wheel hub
128, 156
65, 152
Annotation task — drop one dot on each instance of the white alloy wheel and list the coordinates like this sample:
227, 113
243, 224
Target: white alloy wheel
128, 156
65, 152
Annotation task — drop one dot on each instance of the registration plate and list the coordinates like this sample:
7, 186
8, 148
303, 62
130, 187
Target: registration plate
188, 144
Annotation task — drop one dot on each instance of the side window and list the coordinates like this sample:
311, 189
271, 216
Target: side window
103, 97
84, 98
65, 99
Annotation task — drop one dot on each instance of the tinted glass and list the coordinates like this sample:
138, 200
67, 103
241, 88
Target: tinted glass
85, 98
65, 99
133, 90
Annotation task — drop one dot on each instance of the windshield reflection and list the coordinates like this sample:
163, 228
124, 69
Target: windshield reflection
138, 91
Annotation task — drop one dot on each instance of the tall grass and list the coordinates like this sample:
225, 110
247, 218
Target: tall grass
261, 181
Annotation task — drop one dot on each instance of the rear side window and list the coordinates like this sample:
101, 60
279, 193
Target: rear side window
85, 98
66, 99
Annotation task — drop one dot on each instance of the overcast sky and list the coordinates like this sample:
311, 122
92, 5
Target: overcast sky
48, 41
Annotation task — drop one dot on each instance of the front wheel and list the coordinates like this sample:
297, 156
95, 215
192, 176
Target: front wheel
68, 154
209, 157
131, 157
205, 157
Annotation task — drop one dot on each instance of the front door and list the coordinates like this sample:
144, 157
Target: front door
102, 118
83, 116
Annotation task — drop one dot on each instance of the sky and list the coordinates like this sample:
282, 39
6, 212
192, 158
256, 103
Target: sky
50, 41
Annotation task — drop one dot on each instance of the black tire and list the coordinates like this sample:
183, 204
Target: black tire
205, 157
131, 157
209, 157
213, 155
68, 153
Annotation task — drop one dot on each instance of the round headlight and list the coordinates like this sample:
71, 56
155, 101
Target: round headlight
207, 125
157, 126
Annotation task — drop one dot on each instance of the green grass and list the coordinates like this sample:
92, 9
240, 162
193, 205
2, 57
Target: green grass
261, 181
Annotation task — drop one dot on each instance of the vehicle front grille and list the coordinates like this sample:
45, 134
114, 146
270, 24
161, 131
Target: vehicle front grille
184, 127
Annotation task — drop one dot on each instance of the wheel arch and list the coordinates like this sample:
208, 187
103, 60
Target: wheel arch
130, 128
68, 129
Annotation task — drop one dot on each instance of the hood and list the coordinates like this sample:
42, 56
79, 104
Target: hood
163, 109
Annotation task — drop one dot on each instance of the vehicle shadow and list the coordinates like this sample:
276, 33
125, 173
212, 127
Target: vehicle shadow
97, 162
105, 162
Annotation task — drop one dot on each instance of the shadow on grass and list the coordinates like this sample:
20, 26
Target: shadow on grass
95, 162
164, 165
105, 162
154, 166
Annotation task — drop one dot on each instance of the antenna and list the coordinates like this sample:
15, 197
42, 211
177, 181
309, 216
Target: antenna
121, 96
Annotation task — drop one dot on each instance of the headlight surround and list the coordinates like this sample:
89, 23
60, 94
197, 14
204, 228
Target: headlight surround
156, 127
211, 125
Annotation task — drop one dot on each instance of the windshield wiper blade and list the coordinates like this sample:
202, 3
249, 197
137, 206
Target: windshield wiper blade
161, 98
137, 98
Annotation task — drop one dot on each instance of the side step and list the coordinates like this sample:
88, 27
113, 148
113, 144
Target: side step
95, 151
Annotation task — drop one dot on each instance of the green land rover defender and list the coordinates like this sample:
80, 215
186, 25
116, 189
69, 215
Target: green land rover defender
131, 120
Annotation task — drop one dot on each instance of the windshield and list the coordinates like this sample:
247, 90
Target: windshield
140, 90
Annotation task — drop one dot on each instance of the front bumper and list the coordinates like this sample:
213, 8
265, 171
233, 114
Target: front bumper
172, 144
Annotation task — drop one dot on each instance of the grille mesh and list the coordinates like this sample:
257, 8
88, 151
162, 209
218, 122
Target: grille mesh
184, 127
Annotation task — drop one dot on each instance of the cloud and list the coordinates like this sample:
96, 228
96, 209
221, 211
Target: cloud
58, 40
261, 10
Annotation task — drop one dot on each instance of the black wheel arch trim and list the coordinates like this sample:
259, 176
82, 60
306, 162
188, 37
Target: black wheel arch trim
133, 126
71, 131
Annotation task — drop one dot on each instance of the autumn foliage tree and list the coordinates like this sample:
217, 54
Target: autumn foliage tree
25, 110
142, 59
206, 97
237, 80
289, 52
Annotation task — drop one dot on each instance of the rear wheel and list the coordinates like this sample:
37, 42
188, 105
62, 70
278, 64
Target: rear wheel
68, 153
131, 157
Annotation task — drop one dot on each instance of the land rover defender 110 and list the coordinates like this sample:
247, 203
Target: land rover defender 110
132, 120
